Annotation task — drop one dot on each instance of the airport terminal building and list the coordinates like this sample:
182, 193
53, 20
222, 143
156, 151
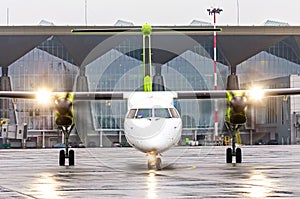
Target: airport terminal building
33, 57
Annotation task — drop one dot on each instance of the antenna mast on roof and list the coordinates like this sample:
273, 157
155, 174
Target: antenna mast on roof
7, 16
85, 12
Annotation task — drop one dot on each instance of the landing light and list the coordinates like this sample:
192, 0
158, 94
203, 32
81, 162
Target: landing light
44, 96
256, 93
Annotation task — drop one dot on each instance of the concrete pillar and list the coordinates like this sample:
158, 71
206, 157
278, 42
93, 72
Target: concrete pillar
82, 109
5, 85
81, 82
100, 139
43, 133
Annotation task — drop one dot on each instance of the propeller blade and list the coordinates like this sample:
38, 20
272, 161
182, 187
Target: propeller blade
67, 95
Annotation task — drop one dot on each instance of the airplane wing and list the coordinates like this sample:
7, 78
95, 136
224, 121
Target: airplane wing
215, 94
77, 95
18, 94
202, 94
276, 91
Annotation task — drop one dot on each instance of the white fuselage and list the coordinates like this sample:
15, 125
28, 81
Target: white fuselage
152, 124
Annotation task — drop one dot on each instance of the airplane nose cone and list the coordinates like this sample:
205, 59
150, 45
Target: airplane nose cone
159, 135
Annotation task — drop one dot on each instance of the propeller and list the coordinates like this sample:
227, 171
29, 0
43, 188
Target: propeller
64, 115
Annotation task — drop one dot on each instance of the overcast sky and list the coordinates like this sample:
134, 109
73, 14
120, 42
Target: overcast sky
155, 12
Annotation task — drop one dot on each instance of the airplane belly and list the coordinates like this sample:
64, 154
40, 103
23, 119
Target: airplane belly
155, 134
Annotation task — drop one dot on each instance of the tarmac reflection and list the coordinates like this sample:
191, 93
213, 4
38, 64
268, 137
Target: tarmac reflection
259, 185
151, 185
46, 186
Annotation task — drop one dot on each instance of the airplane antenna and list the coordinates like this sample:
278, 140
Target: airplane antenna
213, 12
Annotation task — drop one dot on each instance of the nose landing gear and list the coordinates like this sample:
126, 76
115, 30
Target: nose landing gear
154, 162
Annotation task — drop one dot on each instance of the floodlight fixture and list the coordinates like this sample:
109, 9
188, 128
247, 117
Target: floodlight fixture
214, 11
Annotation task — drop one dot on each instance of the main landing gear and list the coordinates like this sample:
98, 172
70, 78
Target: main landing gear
237, 152
66, 154
154, 162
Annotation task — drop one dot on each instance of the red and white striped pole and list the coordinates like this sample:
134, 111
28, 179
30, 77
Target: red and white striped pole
213, 12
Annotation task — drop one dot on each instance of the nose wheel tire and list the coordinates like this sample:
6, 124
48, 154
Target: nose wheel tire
158, 164
155, 165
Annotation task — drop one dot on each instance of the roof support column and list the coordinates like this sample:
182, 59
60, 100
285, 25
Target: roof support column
81, 82
5, 85
83, 113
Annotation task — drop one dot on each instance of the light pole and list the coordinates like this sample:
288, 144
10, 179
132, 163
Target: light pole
238, 12
213, 12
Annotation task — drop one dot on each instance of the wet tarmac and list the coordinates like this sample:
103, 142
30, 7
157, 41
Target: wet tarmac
189, 172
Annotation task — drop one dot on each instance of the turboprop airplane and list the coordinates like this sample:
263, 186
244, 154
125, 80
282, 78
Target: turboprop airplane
152, 123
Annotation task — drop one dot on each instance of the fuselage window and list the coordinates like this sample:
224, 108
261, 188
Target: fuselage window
131, 113
174, 113
144, 113
162, 112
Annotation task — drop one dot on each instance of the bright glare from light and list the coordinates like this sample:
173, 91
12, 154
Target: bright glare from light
44, 96
256, 93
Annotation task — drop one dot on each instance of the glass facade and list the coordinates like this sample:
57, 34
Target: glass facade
266, 68
279, 60
36, 70
189, 71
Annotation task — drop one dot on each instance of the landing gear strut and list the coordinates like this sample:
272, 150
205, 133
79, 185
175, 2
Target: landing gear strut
154, 162
230, 152
66, 154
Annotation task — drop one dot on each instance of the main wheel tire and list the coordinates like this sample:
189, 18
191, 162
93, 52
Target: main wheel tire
71, 158
62, 158
229, 155
238, 155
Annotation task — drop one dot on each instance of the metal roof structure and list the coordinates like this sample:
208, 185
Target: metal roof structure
236, 43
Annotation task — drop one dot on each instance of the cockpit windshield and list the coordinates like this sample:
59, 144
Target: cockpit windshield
131, 113
162, 112
156, 112
144, 113
174, 113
